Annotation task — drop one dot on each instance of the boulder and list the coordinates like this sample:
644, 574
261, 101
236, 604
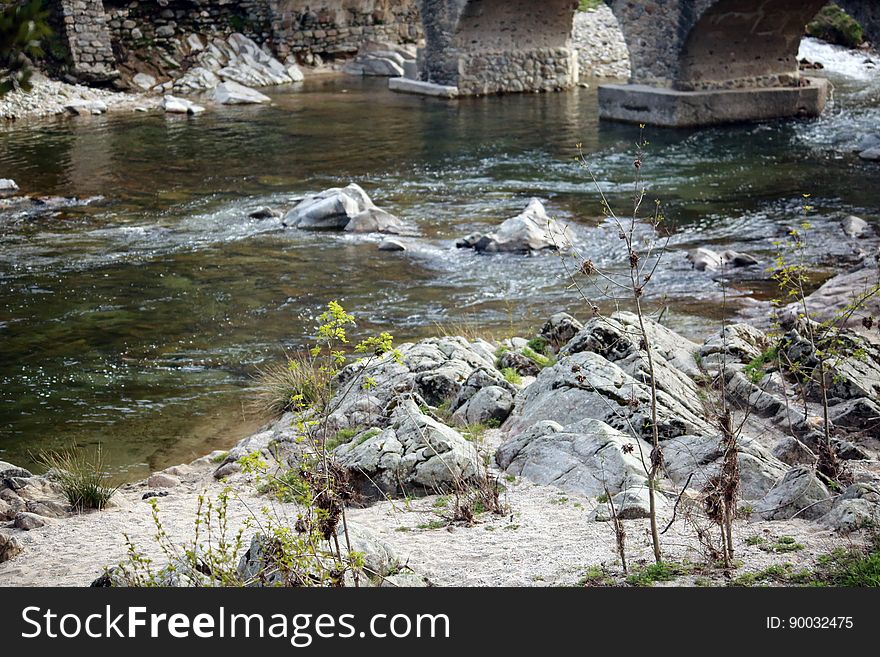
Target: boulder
698, 459
792, 451
522, 365
857, 508
233, 93
490, 404
86, 107
704, 259
532, 230
10, 470
831, 301
10, 547
47, 508
8, 187
587, 386
854, 227
630, 504
28, 521
582, 458
799, 494
174, 105
415, 454
735, 343
162, 480
144, 81
336, 208
479, 379
559, 330
857, 415
871, 154
389, 244
435, 369
405, 581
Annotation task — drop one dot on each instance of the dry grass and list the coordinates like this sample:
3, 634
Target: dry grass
283, 386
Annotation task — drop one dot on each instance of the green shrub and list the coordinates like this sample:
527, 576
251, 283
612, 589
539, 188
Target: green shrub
511, 376
23, 28
83, 479
834, 25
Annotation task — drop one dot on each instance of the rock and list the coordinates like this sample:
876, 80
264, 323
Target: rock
831, 301
559, 330
10, 547
704, 259
407, 86
372, 65
162, 480
799, 493
735, 343
854, 227
28, 521
10, 470
7, 187
233, 93
532, 230
13, 503
144, 81
630, 504
266, 213
858, 415
587, 386
295, 73
86, 107
194, 43
867, 142
175, 105
792, 451
871, 155
47, 508
435, 369
227, 470
582, 458
698, 458
391, 245
480, 378
336, 208
857, 508
415, 454
257, 568
523, 365
491, 404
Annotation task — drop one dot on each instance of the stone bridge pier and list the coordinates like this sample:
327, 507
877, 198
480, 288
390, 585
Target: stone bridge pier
498, 46
703, 62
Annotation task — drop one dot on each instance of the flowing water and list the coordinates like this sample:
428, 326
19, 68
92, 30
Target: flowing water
137, 319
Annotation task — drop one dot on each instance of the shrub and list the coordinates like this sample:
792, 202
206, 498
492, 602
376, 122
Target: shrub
511, 376
83, 479
280, 388
834, 25
23, 27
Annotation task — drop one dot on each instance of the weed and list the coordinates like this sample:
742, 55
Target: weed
83, 479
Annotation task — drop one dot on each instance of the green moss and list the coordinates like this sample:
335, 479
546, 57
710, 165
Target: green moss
782, 545
664, 571
834, 25
595, 576
511, 376
539, 359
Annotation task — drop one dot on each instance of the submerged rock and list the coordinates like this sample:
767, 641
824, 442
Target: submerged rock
704, 259
175, 105
532, 230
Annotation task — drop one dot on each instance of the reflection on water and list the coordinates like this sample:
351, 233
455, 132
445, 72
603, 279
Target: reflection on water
137, 320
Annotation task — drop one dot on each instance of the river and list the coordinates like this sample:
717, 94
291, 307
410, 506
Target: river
138, 319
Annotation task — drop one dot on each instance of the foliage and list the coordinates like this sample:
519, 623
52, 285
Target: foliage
511, 376
280, 387
756, 369
83, 478
588, 5
23, 28
834, 25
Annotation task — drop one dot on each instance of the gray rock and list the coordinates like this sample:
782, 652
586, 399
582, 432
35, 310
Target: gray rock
28, 521
8, 187
389, 244
10, 470
174, 105
415, 454
799, 493
233, 93
47, 508
854, 227
861, 415
583, 458
491, 404
523, 365
630, 504
336, 208
857, 508
532, 230
560, 329
480, 378
266, 213
703, 259
144, 81
698, 459
871, 155
10, 547
792, 451
162, 480
735, 343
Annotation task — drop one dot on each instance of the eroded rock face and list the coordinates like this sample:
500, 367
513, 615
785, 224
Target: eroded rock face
415, 454
532, 230
583, 457
347, 208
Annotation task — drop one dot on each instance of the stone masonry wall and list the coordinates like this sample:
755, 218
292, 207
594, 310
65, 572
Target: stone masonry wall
301, 27
83, 28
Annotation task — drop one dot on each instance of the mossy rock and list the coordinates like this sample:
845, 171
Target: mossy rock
834, 25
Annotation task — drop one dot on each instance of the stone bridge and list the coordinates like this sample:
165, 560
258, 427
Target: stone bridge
694, 62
